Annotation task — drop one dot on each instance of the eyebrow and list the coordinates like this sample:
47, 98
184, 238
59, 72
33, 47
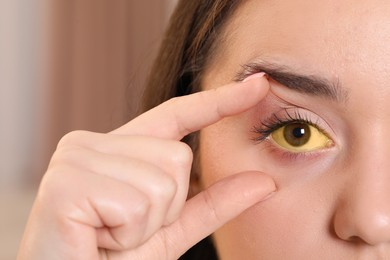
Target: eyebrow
312, 85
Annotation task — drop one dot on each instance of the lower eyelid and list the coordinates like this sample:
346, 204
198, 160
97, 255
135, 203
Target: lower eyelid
285, 156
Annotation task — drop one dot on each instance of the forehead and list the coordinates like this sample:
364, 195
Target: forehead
331, 37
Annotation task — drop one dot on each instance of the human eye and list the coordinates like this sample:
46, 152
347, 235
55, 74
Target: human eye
300, 137
294, 133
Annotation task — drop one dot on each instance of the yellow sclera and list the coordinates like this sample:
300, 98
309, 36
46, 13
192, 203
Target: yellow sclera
300, 137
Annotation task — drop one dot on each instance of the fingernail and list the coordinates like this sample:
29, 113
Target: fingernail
254, 76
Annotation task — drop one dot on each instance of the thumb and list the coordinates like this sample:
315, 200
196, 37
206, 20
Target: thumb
212, 208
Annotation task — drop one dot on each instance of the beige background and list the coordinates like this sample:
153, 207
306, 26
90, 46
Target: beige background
65, 65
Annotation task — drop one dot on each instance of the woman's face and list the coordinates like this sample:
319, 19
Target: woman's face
322, 133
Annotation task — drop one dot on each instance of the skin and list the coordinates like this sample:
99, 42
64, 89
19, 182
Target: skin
331, 203
328, 204
103, 199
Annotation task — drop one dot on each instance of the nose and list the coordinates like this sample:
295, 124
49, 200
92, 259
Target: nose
363, 209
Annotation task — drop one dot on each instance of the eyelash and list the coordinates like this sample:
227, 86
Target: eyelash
274, 122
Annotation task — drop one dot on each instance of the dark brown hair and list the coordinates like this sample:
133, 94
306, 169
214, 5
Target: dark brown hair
189, 43
187, 46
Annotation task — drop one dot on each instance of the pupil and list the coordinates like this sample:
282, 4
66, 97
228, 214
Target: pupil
297, 134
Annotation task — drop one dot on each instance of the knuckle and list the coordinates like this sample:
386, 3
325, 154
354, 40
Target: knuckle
136, 216
66, 154
140, 211
72, 137
54, 187
164, 189
181, 155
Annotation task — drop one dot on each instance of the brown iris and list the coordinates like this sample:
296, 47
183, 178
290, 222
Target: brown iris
297, 134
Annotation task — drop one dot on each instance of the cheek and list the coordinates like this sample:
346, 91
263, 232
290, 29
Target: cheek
279, 228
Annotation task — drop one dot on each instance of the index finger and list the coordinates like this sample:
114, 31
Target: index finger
181, 116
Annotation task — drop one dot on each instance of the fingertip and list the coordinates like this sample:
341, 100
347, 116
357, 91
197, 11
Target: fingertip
268, 185
256, 185
259, 82
265, 179
254, 76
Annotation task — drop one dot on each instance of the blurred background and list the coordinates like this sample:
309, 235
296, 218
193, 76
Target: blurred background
65, 65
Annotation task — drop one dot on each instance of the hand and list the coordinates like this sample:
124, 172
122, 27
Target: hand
122, 195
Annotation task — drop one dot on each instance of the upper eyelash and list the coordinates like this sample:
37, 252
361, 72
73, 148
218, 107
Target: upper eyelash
275, 122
